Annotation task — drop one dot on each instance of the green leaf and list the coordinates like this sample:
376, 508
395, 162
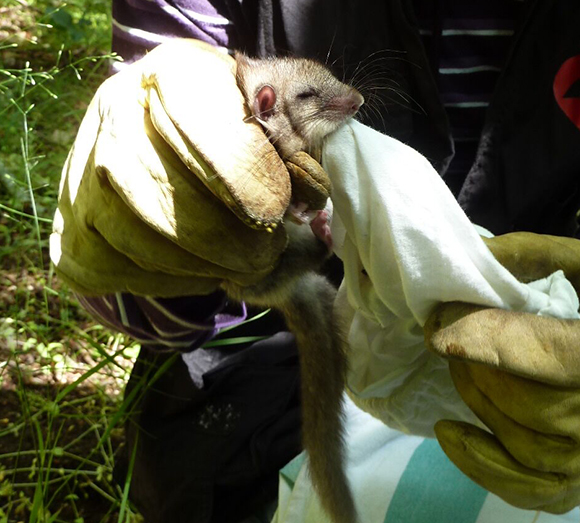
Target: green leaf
60, 18
36, 505
125, 498
234, 341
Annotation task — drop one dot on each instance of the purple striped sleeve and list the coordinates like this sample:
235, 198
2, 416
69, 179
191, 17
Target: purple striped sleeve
140, 25
182, 324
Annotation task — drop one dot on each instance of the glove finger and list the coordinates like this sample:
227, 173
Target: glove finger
528, 431
481, 457
542, 407
251, 178
521, 343
310, 183
531, 256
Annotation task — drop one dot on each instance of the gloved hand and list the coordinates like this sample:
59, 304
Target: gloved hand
520, 374
169, 187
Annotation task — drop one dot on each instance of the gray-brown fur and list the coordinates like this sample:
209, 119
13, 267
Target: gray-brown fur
310, 103
306, 300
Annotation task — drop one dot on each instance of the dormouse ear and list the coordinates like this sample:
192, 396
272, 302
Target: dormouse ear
264, 102
242, 60
242, 66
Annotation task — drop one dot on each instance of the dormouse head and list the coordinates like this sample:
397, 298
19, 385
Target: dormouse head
298, 101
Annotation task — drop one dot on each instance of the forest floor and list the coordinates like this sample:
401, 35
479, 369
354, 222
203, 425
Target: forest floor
61, 376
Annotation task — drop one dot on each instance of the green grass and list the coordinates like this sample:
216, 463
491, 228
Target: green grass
61, 376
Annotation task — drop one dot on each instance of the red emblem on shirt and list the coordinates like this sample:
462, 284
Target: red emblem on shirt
567, 89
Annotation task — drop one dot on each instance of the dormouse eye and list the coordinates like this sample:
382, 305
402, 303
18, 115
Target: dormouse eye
308, 93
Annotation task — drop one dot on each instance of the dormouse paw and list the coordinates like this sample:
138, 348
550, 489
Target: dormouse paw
299, 213
320, 226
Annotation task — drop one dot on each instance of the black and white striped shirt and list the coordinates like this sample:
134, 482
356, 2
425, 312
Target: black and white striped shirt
467, 43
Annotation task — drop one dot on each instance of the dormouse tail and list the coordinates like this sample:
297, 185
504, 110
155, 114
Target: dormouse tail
321, 347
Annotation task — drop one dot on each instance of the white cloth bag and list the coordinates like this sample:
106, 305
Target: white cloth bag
406, 246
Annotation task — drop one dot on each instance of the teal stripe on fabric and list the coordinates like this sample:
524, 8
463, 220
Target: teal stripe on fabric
291, 470
432, 490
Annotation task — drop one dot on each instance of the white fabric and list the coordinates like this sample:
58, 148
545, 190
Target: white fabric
395, 219
377, 459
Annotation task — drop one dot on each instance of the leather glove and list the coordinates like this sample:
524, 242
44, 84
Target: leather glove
170, 188
520, 374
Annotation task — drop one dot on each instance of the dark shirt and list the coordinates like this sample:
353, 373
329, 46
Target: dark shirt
467, 44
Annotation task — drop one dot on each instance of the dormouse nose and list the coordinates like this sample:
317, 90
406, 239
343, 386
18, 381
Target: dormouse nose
356, 101
349, 103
